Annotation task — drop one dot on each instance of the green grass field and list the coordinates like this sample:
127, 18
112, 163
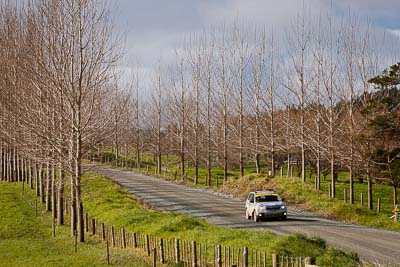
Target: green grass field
26, 240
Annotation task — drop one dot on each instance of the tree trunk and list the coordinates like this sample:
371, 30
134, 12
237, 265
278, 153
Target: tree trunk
116, 156
9, 166
159, 163
79, 205
303, 158
60, 196
318, 173
209, 126
30, 174
225, 142
53, 192
36, 174
18, 166
41, 184
14, 165
48, 188
351, 184
182, 162
257, 161
1, 164
137, 157
370, 198
73, 206
333, 182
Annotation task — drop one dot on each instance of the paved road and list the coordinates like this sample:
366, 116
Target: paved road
372, 245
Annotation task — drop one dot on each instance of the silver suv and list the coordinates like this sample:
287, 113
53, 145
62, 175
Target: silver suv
263, 204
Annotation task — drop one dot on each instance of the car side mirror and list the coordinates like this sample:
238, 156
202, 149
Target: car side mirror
283, 199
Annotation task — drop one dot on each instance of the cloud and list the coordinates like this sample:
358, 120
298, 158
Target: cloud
383, 13
156, 28
395, 32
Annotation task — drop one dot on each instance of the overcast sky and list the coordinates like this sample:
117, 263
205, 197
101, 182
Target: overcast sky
155, 27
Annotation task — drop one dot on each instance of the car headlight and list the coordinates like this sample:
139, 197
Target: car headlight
261, 207
283, 207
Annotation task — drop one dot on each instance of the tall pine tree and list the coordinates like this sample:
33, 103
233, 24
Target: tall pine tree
382, 111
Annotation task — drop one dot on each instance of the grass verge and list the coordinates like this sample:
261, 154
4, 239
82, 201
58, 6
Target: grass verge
26, 240
306, 197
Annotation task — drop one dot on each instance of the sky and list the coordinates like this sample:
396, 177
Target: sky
154, 28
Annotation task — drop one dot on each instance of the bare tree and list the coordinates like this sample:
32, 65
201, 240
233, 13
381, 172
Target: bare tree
349, 95
194, 54
257, 84
208, 59
224, 84
79, 52
240, 60
157, 113
298, 40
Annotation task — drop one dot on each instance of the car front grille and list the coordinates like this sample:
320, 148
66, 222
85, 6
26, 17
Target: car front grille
274, 208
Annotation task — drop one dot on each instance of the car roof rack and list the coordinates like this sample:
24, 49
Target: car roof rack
266, 189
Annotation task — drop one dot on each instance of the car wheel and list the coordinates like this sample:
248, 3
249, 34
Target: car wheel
284, 217
255, 218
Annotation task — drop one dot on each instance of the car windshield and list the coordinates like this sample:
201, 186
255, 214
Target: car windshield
267, 198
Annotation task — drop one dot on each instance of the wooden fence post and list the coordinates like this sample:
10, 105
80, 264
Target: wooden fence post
379, 206
245, 257
361, 199
309, 261
147, 245
103, 231
177, 251
162, 256
87, 222
53, 226
108, 252
238, 257
194, 254
112, 236
123, 238
66, 206
154, 257
265, 259
75, 242
219, 256
224, 256
93, 226
135, 244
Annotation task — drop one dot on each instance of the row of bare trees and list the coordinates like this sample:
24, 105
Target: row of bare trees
235, 95
56, 93
240, 94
